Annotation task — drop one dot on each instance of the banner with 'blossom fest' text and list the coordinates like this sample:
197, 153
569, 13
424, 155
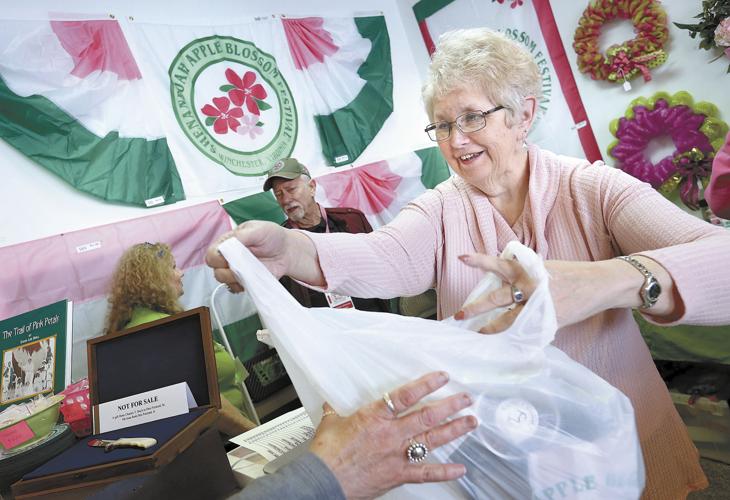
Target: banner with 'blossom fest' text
235, 99
562, 124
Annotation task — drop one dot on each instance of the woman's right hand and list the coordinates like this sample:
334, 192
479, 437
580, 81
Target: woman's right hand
366, 451
266, 240
281, 250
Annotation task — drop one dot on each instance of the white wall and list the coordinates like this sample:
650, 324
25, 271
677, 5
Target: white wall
34, 203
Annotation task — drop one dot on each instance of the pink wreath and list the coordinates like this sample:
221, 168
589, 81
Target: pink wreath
693, 128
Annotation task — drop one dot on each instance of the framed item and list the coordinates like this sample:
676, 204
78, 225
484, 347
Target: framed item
36, 353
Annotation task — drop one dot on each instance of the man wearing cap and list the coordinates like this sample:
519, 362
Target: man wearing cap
294, 190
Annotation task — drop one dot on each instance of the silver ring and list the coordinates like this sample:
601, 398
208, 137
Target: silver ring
518, 296
416, 452
389, 403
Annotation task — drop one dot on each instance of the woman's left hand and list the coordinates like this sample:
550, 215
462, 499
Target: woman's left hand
579, 289
517, 285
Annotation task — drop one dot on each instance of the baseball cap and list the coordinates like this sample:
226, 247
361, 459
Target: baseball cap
286, 168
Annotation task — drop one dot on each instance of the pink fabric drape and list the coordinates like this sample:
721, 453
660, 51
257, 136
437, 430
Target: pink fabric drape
308, 41
77, 265
96, 46
370, 188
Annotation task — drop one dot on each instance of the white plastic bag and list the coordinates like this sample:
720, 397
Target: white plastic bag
549, 428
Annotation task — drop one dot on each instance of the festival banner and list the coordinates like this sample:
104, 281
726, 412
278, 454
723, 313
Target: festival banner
377, 189
72, 99
562, 124
235, 99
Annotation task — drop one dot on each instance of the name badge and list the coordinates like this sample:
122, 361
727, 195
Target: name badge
337, 301
145, 407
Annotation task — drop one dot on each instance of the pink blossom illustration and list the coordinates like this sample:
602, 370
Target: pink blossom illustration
220, 116
251, 126
246, 91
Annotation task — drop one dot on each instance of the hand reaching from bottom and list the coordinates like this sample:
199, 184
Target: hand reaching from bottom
367, 450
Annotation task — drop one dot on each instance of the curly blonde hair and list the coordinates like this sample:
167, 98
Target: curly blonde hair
143, 278
482, 59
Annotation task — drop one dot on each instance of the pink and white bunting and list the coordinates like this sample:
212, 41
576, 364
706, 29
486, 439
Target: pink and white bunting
78, 265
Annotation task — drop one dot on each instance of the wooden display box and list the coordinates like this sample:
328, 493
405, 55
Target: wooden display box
154, 355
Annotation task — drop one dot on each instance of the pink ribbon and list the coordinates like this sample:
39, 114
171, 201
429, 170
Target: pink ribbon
692, 173
623, 65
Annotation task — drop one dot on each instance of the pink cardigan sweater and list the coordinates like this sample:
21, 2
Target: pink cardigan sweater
574, 211
718, 191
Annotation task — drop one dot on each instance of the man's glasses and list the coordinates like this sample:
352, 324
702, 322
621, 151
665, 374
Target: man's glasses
470, 121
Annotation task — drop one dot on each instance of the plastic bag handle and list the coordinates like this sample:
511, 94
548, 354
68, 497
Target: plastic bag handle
535, 326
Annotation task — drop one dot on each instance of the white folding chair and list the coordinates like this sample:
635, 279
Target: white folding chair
247, 402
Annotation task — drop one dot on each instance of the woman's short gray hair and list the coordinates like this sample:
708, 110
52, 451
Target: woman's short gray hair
486, 60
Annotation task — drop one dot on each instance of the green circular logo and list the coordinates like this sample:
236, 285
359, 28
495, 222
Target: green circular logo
233, 104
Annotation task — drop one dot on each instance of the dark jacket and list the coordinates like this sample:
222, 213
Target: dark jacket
339, 220
306, 478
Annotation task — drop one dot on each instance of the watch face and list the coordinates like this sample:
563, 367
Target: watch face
652, 291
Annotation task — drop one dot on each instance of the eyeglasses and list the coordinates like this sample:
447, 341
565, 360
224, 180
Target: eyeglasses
470, 121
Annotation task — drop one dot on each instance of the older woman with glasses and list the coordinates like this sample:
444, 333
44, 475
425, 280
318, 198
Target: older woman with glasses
610, 242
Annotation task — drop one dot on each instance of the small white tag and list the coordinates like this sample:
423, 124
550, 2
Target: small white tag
627, 85
338, 159
337, 301
88, 247
579, 125
145, 407
159, 200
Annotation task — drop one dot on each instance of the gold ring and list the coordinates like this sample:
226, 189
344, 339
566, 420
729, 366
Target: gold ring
389, 403
328, 413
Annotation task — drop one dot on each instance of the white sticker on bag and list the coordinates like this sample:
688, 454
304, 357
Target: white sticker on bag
517, 418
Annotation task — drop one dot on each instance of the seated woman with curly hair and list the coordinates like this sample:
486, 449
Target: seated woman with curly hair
147, 286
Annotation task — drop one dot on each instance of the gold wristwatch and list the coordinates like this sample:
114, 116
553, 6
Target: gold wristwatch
650, 290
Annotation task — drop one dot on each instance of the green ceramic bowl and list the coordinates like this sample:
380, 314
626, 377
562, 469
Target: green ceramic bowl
40, 423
